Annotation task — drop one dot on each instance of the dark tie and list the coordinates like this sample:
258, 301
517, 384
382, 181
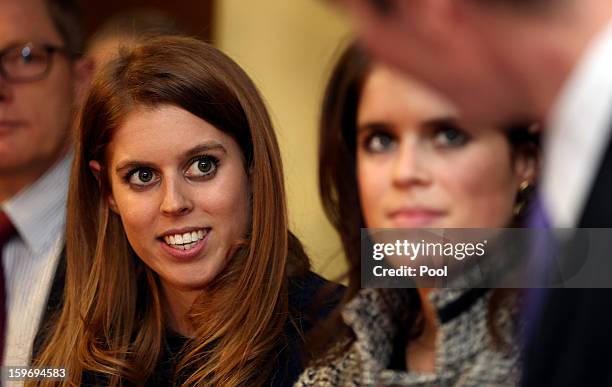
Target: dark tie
540, 254
6, 232
538, 218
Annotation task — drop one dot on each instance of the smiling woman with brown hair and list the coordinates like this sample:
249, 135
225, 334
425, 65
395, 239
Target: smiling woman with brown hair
180, 265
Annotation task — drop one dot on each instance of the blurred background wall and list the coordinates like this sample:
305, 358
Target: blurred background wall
288, 48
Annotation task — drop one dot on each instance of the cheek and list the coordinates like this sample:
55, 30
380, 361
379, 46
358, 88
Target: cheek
138, 212
374, 181
480, 191
227, 203
49, 111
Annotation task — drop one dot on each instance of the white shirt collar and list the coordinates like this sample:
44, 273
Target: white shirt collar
579, 133
39, 211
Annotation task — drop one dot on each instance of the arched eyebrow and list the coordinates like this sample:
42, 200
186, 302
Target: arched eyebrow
205, 147
375, 126
440, 122
196, 150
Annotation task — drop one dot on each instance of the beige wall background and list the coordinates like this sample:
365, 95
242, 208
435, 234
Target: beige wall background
288, 48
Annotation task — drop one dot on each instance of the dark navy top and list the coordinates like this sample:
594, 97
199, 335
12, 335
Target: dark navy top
305, 311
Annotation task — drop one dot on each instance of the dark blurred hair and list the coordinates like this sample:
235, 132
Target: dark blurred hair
67, 18
338, 182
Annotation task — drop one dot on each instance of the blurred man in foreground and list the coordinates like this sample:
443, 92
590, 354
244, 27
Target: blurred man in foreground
510, 61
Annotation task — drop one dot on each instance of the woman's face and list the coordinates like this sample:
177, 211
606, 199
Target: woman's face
181, 190
416, 167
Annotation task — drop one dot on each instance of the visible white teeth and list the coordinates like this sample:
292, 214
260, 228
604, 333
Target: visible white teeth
187, 240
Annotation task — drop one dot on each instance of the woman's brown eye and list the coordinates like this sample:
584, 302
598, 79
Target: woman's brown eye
202, 167
145, 175
450, 137
379, 142
142, 177
205, 166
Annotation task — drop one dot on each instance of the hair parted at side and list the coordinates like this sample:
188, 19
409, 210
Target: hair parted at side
112, 322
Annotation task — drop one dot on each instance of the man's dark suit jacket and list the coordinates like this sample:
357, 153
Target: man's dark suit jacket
54, 304
571, 344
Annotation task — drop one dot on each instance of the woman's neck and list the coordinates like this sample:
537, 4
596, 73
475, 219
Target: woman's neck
177, 304
421, 351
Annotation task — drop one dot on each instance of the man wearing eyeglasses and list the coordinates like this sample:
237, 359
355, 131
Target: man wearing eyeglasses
40, 74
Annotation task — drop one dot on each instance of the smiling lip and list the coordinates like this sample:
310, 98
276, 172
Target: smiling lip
184, 255
181, 231
414, 217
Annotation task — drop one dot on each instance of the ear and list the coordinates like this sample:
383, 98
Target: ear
83, 70
96, 169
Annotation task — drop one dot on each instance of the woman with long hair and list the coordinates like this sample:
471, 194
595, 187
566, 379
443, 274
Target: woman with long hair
395, 154
180, 268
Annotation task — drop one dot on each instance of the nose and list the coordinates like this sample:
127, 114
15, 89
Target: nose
410, 166
176, 200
